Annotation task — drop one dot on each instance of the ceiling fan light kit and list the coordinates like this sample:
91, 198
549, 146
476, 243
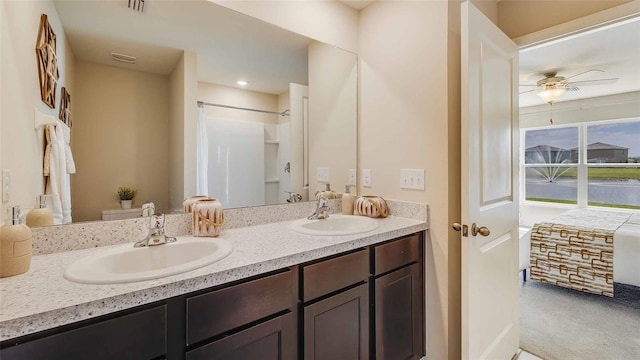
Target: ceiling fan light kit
551, 94
553, 86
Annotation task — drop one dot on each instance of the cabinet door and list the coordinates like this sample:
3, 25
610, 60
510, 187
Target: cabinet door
271, 340
338, 327
398, 314
137, 336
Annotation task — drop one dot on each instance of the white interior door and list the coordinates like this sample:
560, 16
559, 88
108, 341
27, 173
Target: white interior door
489, 189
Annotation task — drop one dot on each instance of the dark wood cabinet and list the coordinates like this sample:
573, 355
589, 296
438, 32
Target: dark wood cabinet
338, 326
398, 314
272, 340
220, 311
137, 336
364, 304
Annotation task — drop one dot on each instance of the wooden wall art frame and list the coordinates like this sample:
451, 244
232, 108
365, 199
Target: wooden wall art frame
47, 62
65, 106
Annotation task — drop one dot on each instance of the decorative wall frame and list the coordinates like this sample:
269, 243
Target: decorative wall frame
65, 106
47, 62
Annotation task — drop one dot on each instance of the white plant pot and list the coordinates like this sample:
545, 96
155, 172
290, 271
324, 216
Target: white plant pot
125, 204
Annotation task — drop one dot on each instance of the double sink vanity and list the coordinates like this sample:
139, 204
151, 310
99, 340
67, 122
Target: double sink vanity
347, 287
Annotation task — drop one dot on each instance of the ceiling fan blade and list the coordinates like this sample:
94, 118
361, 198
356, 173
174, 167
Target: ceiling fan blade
594, 82
528, 91
582, 73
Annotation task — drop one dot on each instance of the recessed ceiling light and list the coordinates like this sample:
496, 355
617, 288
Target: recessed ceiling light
241, 82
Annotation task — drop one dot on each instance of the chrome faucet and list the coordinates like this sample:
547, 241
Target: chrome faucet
322, 209
155, 234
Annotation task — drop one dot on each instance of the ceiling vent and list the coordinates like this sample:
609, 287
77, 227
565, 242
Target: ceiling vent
127, 59
137, 5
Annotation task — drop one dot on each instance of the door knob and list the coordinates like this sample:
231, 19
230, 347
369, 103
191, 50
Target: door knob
482, 230
459, 227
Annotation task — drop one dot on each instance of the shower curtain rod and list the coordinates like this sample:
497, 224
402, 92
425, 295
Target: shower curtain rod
284, 113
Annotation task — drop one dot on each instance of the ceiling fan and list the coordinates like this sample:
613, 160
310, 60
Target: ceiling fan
552, 86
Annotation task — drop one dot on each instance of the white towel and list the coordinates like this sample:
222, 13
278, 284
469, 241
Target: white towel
70, 164
59, 183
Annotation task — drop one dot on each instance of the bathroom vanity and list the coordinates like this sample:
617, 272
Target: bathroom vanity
279, 295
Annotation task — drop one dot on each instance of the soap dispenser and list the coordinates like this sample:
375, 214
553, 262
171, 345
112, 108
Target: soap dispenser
15, 246
41, 216
347, 201
328, 193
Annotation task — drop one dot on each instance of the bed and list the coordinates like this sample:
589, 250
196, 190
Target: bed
587, 250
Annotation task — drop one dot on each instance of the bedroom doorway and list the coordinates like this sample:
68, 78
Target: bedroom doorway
580, 148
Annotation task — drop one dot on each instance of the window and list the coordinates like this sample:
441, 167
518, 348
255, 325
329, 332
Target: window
550, 157
596, 164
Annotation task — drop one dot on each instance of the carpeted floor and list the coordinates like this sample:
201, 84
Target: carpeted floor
562, 324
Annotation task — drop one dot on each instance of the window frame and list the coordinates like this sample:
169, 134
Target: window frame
582, 166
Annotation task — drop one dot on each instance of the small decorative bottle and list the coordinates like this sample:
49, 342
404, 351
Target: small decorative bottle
15, 247
41, 216
347, 202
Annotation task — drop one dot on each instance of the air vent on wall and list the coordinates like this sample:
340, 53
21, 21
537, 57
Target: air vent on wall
127, 59
137, 5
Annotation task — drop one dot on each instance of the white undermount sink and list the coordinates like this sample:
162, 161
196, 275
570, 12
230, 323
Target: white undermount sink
124, 263
335, 224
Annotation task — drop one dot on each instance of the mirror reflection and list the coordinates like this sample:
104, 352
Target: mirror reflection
191, 98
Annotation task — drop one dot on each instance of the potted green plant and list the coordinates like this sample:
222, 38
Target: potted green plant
126, 195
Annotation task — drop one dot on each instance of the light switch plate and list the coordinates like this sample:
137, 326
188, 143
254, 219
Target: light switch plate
352, 177
6, 185
323, 175
412, 179
366, 177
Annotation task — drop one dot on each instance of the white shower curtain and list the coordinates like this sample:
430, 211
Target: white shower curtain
202, 155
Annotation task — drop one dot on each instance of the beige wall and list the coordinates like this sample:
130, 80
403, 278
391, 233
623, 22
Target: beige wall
121, 124
225, 95
21, 147
190, 123
183, 95
521, 17
176, 135
332, 114
404, 123
327, 21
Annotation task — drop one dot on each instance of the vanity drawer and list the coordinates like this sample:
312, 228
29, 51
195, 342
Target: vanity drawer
334, 274
138, 336
396, 254
273, 339
218, 311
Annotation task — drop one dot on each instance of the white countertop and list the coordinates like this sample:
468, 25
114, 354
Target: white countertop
42, 299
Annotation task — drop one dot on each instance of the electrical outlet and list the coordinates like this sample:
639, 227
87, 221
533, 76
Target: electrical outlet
323, 175
366, 177
6, 185
412, 179
352, 177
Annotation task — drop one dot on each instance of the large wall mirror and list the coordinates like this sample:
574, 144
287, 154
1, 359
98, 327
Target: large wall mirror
159, 104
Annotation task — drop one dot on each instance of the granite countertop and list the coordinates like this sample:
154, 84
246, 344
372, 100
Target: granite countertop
42, 299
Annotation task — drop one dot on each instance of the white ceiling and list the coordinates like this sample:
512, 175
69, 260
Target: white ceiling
230, 46
614, 49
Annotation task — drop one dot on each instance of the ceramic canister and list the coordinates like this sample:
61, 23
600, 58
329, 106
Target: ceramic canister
190, 201
208, 217
371, 206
